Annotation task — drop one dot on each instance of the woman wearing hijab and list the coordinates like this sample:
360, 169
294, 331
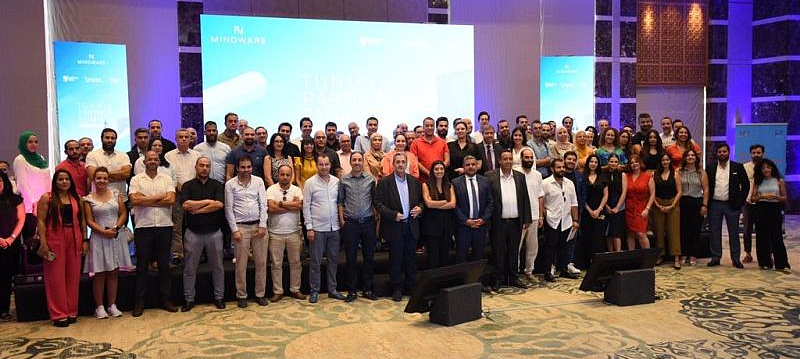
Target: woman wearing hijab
562, 145
375, 155
30, 168
583, 147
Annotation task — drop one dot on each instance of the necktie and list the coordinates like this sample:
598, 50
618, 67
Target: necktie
490, 157
474, 213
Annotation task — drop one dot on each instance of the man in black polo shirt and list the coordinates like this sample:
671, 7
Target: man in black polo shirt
203, 200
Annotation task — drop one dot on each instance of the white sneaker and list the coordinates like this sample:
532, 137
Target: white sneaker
571, 268
100, 312
113, 311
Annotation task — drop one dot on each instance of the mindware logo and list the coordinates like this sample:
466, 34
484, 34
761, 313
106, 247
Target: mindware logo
238, 37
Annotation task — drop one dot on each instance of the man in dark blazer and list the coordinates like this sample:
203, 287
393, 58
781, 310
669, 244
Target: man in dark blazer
728, 186
489, 150
512, 214
398, 199
142, 138
474, 206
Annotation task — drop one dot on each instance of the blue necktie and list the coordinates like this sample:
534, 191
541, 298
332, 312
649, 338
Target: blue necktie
474, 213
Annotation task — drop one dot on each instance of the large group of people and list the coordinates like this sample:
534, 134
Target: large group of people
544, 196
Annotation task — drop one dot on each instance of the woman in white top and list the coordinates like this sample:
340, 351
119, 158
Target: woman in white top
769, 194
519, 139
32, 174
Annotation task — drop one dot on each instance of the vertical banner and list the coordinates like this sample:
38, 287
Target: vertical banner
91, 91
771, 135
567, 89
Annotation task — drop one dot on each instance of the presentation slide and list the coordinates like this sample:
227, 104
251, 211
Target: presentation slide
567, 89
273, 70
91, 92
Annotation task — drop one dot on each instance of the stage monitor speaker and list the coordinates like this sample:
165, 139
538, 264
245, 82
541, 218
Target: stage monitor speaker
632, 287
456, 305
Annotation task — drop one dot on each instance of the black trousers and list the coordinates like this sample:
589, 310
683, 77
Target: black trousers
363, 234
691, 224
438, 250
403, 259
555, 248
769, 235
155, 241
590, 239
506, 234
9, 263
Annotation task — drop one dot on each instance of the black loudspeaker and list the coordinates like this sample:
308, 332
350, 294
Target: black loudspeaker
632, 287
456, 305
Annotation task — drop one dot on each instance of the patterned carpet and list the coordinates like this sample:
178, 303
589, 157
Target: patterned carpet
719, 312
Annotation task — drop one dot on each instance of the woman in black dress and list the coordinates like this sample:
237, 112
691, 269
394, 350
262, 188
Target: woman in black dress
651, 151
459, 149
593, 223
12, 219
437, 223
615, 208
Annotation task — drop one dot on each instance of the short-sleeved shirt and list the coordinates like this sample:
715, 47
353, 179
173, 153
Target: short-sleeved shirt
195, 190
558, 202
182, 164
429, 152
114, 162
257, 154
150, 216
217, 154
284, 223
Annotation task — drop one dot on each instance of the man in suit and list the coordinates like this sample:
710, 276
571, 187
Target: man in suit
728, 186
474, 206
489, 149
398, 199
512, 215
142, 137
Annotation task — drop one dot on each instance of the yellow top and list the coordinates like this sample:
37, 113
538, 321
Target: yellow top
304, 170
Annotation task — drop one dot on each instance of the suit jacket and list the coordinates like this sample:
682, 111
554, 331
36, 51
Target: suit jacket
133, 155
387, 202
496, 149
485, 199
738, 183
523, 202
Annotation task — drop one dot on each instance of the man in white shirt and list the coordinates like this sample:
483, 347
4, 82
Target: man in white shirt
306, 127
560, 219
246, 213
756, 154
530, 236
667, 137
321, 214
216, 151
182, 161
285, 201
152, 194
118, 164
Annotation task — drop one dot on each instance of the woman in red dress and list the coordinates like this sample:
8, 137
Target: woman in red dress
639, 200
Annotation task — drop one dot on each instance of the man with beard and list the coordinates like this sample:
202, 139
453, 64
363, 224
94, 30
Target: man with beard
289, 149
504, 135
250, 149
87, 146
728, 187
117, 162
441, 127
203, 200
75, 167
429, 149
756, 155
530, 236
560, 219
155, 133
645, 125
541, 149
474, 206
261, 137
547, 134
330, 136
230, 136
579, 181
321, 149
215, 151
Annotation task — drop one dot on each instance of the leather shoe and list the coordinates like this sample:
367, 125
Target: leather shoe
496, 287
276, 298
72, 320
565, 274
314, 297
549, 277
369, 295
262, 301
713, 263
485, 288
168, 306
241, 302
738, 265
351, 297
397, 295
518, 284
219, 303
187, 307
63, 323
298, 295
336, 295
138, 309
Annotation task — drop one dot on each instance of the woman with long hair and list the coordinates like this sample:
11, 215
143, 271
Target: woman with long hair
667, 216
593, 223
30, 168
694, 205
615, 206
769, 194
610, 145
562, 144
62, 229
12, 219
519, 142
305, 166
583, 148
400, 145
461, 148
437, 223
683, 143
626, 145
591, 136
276, 159
105, 214
651, 151
374, 157
639, 200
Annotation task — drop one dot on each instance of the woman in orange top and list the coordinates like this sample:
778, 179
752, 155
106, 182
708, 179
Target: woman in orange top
374, 156
583, 147
400, 145
683, 142
639, 199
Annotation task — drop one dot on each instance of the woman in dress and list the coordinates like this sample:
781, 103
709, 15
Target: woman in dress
610, 145
694, 205
276, 159
374, 157
12, 219
615, 207
461, 148
400, 145
667, 215
651, 151
30, 168
61, 227
437, 223
562, 144
593, 223
105, 214
519, 140
683, 142
769, 194
583, 148
305, 166
639, 200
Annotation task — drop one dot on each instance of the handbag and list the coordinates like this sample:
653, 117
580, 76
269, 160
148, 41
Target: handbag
125, 234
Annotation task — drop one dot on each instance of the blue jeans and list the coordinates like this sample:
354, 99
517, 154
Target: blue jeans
324, 243
716, 212
355, 234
